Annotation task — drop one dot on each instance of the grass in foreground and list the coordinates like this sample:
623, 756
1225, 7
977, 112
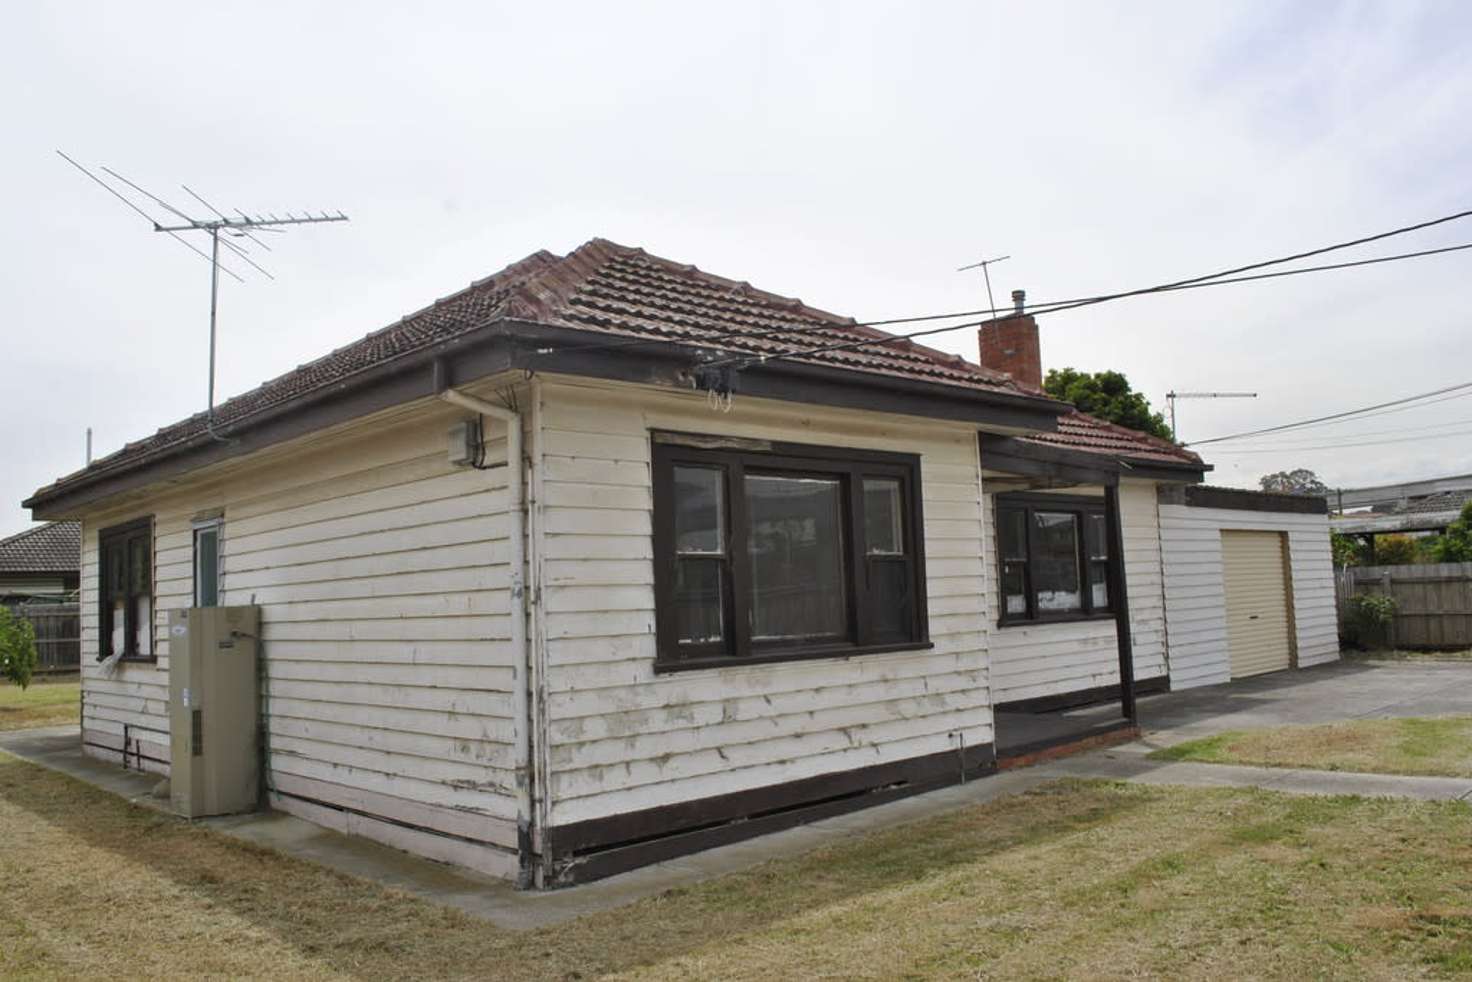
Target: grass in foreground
1440, 747
1076, 880
46, 702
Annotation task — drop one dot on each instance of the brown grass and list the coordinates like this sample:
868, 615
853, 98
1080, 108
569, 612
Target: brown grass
1074, 880
1435, 747
47, 702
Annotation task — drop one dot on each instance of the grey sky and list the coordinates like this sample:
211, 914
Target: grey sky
850, 154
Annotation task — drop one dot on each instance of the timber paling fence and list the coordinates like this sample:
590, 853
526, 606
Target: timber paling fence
1433, 601
58, 635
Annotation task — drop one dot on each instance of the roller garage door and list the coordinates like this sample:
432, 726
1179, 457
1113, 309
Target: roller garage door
1259, 629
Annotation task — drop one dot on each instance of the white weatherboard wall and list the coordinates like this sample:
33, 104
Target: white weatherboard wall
381, 574
1195, 599
623, 738
1031, 661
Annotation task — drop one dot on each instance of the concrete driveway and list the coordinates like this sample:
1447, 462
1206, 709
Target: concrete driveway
1325, 694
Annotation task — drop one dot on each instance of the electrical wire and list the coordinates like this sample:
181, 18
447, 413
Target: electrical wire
1333, 416
745, 360
1055, 306
1344, 446
1398, 431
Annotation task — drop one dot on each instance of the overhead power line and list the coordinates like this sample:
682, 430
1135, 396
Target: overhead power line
1344, 446
1333, 416
1200, 283
1034, 308
1397, 431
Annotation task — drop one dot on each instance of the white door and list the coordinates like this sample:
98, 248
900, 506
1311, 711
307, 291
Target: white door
1254, 573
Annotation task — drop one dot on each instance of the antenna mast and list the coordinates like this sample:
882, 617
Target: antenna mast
1171, 397
245, 226
988, 277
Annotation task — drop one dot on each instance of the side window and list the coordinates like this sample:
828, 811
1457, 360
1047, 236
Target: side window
207, 563
784, 551
125, 590
1053, 557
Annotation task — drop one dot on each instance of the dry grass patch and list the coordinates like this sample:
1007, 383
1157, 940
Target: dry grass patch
47, 702
1076, 880
1434, 747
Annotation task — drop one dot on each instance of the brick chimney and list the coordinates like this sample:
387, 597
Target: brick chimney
1010, 344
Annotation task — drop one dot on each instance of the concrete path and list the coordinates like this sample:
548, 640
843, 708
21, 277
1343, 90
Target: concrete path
1131, 764
1337, 692
495, 900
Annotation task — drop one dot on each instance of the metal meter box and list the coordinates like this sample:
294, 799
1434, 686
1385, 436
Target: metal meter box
214, 766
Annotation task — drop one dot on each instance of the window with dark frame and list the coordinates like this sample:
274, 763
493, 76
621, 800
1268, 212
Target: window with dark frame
125, 591
1053, 555
768, 552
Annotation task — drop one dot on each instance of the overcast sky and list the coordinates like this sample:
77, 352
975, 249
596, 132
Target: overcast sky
849, 154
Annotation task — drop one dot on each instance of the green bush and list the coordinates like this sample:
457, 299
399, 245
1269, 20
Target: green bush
1395, 550
1370, 617
1348, 550
1456, 545
17, 648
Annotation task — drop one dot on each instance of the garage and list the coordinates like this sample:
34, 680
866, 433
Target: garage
1255, 580
1248, 583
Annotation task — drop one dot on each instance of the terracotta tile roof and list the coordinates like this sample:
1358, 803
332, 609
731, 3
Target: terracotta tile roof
1080, 431
55, 547
602, 288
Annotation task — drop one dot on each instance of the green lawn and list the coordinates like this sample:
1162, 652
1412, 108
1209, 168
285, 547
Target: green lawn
46, 702
1074, 880
1440, 747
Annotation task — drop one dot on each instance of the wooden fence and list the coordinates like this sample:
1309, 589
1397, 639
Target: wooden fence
1433, 601
58, 635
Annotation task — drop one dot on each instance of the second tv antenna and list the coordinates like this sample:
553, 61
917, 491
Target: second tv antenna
242, 227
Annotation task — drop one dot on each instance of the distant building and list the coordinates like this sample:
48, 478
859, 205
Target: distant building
41, 563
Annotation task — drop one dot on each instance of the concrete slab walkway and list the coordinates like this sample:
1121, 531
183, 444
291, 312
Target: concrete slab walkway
1132, 765
495, 900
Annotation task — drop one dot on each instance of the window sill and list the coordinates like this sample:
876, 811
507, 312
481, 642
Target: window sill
138, 659
827, 653
1103, 615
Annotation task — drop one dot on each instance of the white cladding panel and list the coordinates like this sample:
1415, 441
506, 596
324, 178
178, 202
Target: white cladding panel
380, 572
622, 738
1031, 661
1195, 599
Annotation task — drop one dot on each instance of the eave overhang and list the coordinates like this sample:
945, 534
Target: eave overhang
509, 345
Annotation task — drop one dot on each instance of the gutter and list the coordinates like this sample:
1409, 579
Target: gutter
521, 653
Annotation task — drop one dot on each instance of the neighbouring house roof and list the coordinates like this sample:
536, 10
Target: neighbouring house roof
1429, 513
55, 547
602, 288
1089, 434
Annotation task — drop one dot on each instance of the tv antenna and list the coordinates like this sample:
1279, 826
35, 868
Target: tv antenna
242, 227
1171, 397
988, 277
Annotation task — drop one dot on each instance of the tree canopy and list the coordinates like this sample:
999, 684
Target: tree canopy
1299, 481
1108, 396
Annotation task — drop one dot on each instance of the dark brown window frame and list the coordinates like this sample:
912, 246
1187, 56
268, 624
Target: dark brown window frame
119, 537
733, 457
1077, 505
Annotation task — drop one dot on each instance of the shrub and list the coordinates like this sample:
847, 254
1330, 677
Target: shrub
1370, 617
1348, 550
1395, 550
17, 648
1456, 545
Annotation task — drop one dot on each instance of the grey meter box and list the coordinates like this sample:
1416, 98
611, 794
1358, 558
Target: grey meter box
214, 764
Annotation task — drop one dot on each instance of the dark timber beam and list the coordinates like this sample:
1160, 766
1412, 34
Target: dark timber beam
1119, 599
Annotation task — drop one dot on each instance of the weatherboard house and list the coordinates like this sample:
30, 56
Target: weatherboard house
604, 559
